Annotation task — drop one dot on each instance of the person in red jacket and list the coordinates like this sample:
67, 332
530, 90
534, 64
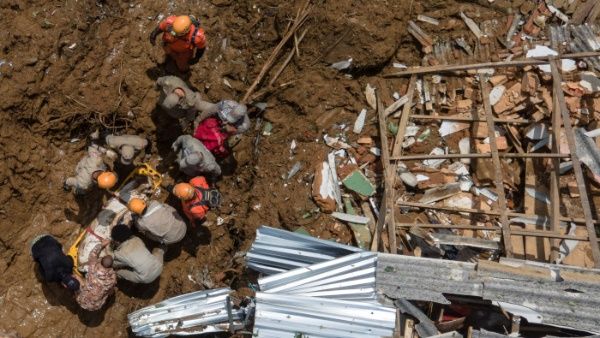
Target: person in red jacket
197, 198
182, 36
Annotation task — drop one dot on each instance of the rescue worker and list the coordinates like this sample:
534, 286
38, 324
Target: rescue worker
100, 280
54, 265
213, 132
178, 100
197, 198
158, 221
99, 230
193, 157
91, 169
126, 145
182, 36
132, 260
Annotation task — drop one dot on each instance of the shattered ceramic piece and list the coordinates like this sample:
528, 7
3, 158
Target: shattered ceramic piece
322, 189
435, 164
537, 132
370, 96
359, 124
496, 94
359, 183
451, 127
568, 65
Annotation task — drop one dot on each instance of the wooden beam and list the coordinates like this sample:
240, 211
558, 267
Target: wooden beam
397, 149
555, 173
486, 212
488, 155
501, 64
585, 202
468, 119
389, 173
514, 233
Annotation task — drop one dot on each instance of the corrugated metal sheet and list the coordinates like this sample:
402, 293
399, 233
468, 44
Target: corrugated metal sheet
426, 279
192, 313
349, 278
562, 297
287, 316
275, 251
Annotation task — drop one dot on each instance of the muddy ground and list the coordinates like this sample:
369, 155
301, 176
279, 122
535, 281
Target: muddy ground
70, 67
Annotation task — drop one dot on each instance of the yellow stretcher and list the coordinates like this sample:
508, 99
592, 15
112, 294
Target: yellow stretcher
142, 170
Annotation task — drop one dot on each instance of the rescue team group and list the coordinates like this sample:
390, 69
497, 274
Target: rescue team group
109, 248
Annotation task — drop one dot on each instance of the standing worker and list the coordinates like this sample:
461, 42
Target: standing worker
197, 198
182, 36
54, 265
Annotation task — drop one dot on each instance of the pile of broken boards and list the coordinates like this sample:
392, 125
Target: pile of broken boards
317, 288
448, 126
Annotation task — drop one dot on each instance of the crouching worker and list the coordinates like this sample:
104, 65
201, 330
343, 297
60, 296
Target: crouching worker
197, 198
158, 221
89, 171
100, 280
132, 260
213, 132
54, 265
193, 157
128, 146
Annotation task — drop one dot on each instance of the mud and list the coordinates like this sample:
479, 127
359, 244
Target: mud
70, 67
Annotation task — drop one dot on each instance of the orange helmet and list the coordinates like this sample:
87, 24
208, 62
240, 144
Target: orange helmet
184, 191
181, 25
136, 205
107, 180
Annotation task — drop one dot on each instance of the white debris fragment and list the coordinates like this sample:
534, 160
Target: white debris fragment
399, 65
409, 141
472, 25
350, 218
537, 132
411, 130
451, 127
370, 96
593, 133
334, 142
396, 105
464, 145
375, 151
568, 65
496, 94
562, 16
227, 83
590, 82
459, 168
341, 65
427, 19
435, 164
538, 195
360, 122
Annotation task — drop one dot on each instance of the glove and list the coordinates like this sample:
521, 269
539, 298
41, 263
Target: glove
197, 57
153, 36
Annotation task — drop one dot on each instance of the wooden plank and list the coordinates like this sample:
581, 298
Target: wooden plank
477, 155
555, 173
498, 177
468, 119
389, 174
486, 212
587, 212
535, 249
501, 64
397, 149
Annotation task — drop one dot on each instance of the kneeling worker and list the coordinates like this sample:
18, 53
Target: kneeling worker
159, 221
132, 260
197, 198
89, 171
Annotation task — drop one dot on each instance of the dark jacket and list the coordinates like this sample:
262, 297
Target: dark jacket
53, 263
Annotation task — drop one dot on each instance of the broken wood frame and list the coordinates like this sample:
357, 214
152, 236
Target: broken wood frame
559, 112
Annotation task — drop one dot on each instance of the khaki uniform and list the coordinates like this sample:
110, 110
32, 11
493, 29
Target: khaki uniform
161, 223
126, 145
175, 106
92, 162
193, 157
145, 266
